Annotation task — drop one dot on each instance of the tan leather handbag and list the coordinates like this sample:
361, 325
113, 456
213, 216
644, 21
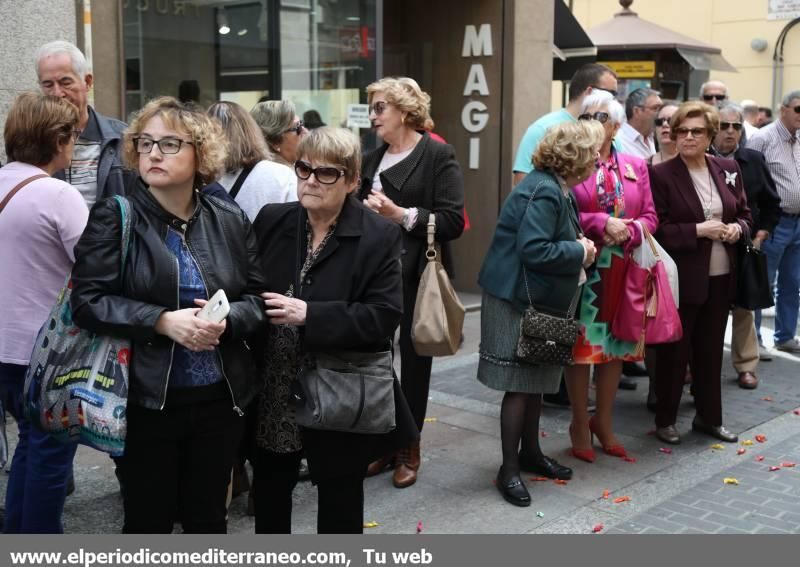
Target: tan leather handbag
438, 314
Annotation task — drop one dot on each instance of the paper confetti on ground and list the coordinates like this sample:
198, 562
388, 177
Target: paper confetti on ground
760, 458
597, 528
540, 514
431, 419
796, 412
773, 469
761, 438
747, 442
543, 434
718, 446
788, 465
560, 481
605, 494
766, 399
730, 480
539, 479
629, 459
665, 450
419, 527
371, 524
622, 499
741, 451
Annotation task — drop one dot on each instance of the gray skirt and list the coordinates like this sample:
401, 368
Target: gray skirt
498, 367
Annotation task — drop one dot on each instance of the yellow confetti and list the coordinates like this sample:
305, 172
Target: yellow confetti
371, 524
747, 442
718, 446
431, 419
730, 480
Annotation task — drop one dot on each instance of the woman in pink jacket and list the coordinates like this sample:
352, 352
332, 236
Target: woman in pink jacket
609, 202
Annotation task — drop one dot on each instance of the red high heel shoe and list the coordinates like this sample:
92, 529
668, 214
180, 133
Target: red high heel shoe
613, 450
587, 455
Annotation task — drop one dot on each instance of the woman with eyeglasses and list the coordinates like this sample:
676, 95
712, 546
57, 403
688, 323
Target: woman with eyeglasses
335, 287
282, 129
41, 219
666, 145
702, 212
404, 180
189, 377
613, 203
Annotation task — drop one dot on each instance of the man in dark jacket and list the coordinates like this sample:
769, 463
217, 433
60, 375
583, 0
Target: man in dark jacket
764, 203
96, 169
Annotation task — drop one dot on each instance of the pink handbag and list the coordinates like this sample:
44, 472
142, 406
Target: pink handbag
647, 313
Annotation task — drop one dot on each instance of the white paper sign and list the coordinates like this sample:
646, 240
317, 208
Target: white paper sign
783, 9
358, 116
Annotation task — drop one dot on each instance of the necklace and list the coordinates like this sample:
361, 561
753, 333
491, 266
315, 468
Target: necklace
707, 205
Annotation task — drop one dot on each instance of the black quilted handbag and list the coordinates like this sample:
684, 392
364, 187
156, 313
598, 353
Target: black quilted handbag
544, 338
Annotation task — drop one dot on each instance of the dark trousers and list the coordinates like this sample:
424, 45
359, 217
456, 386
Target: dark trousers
703, 336
340, 507
415, 370
177, 466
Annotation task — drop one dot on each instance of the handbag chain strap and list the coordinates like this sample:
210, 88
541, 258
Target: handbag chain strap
430, 253
574, 302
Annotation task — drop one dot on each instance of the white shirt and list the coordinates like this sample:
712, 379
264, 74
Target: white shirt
633, 143
268, 182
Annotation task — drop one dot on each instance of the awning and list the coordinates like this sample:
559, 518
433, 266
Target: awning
705, 61
571, 44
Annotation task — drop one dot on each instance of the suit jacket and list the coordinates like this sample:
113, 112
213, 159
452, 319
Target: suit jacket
639, 205
762, 195
679, 211
430, 180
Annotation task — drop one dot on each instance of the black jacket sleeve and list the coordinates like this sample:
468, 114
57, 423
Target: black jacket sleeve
448, 196
97, 301
769, 203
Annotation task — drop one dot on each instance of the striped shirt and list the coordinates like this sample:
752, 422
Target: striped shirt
781, 149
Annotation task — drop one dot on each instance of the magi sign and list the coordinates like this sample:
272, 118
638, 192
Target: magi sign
475, 114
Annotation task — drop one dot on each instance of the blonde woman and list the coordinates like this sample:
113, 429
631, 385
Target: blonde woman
406, 179
537, 249
190, 378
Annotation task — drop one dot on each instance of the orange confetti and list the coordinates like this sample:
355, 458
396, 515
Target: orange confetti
665, 450
622, 499
559, 481
741, 451
760, 458
605, 494
766, 399
761, 438
787, 465
539, 478
543, 433
629, 459
773, 469
597, 528
796, 412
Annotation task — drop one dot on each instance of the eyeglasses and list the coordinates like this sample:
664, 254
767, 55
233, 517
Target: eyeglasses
612, 91
682, 132
297, 128
377, 108
601, 117
710, 97
326, 175
662, 122
726, 125
167, 146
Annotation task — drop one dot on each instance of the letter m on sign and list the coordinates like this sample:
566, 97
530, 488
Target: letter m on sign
477, 42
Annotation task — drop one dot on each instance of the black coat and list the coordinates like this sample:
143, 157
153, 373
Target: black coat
354, 300
429, 179
223, 244
762, 195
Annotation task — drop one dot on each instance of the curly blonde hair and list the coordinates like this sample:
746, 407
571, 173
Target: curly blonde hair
406, 95
210, 144
695, 109
570, 149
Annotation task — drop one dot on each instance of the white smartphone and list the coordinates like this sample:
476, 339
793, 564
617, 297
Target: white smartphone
216, 309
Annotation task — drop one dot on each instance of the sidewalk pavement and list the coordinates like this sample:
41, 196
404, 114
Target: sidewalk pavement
677, 492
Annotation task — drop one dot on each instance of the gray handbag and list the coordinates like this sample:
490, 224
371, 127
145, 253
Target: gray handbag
346, 391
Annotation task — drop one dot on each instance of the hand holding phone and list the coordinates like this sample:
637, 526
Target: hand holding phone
216, 309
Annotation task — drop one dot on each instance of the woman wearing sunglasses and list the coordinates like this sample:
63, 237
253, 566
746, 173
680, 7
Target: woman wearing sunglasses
335, 285
189, 377
609, 201
404, 180
702, 212
666, 145
282, 129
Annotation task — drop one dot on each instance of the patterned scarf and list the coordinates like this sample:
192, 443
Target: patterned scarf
610, 192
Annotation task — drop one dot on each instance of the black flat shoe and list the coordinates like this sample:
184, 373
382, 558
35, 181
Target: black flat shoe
545, 467
633, 369
627, 384
717, 431
513, 490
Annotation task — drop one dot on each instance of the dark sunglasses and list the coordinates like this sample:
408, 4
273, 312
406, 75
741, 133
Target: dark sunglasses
326, 175
726, 125
662, 122
297, 128
682, 132
601, 117
612, 91
796, 109
377, 108
710, 97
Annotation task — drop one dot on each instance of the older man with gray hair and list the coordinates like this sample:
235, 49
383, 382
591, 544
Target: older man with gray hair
96, 169
637, 134
714, 93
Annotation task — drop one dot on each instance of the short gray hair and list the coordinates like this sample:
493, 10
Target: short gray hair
604, 98
732, 107
708, 83
79, 65
787, 100
638, 98
274, 117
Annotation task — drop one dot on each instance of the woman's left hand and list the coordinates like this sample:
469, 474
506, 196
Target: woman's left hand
732, 233
283, 310
384, 206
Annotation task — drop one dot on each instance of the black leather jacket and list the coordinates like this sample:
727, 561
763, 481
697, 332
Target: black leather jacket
224, 246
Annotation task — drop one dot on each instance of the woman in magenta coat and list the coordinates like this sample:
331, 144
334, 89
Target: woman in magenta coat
609, 202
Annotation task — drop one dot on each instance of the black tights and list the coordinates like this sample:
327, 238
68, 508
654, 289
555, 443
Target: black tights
519, 421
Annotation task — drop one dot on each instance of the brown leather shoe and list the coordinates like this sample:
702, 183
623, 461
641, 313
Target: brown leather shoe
748, 380
406, 466
382, 464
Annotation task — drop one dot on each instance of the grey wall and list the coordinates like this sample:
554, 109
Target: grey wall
24, 26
